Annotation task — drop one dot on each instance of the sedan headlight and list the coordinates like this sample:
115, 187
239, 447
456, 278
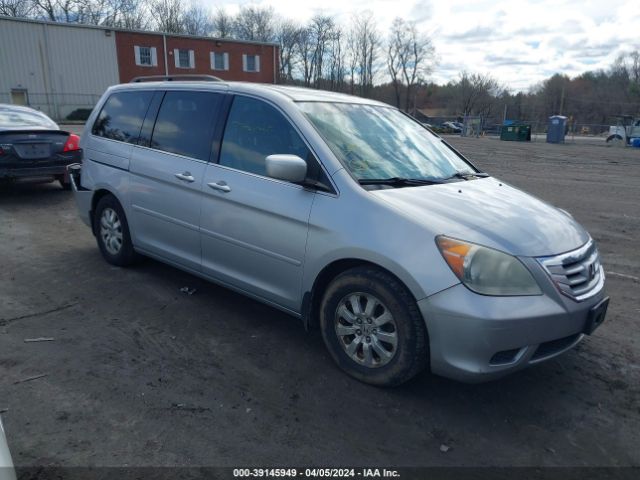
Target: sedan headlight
485, 270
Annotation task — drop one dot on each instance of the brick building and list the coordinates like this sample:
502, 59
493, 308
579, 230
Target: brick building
60, 67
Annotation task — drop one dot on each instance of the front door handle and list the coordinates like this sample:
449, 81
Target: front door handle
186, 176
221, 185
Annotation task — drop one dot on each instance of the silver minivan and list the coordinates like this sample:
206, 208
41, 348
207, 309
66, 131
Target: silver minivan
345, 213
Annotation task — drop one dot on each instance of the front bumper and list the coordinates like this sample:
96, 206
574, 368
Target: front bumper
475, 338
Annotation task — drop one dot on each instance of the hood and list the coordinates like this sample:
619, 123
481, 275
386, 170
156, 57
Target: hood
491, 213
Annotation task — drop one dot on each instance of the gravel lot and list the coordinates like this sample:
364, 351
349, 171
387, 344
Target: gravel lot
140, 374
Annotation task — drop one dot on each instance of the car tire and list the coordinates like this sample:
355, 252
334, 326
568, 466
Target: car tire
375, 310
112, 232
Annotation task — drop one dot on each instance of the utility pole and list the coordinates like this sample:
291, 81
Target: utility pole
504, 115
561, 100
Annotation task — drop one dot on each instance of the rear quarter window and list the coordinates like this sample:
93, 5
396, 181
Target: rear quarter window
122, 115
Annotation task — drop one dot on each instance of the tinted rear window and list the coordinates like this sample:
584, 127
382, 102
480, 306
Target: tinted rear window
122, 115
184, 124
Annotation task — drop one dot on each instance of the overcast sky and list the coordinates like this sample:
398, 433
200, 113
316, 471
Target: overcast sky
519, 42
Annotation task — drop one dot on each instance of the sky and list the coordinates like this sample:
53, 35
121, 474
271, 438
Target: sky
519, 42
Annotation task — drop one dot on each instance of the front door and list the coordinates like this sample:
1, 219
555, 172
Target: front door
254, 228
167, 175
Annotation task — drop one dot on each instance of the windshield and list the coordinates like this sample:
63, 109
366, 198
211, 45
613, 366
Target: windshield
376, 142
14, 118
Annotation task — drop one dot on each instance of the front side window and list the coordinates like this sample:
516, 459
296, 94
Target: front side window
377, 142
122, 115
254, 131
185, 123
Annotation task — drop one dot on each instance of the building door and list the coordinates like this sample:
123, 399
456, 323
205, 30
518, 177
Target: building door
19, 96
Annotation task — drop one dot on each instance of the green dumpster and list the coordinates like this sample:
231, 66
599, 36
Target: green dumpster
516, 133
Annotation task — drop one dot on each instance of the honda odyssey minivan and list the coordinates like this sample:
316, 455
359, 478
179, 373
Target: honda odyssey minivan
346, 213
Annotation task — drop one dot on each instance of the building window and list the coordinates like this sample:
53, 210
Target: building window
219, 61
251, 63
184, 58
146, 56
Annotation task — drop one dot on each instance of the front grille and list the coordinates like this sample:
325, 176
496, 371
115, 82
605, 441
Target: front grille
554, 346
577, 274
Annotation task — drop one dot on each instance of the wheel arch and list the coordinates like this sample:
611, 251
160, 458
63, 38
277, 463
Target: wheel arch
98, 194
311, 299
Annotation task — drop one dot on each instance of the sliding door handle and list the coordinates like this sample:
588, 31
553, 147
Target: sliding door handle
221, 185
185, 176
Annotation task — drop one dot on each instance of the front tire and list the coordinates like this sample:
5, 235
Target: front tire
372, 327
112, 232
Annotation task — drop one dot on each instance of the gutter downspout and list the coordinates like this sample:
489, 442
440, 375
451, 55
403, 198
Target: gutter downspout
275, 73
166, 65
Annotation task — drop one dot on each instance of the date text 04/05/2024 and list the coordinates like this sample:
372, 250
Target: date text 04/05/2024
315, 473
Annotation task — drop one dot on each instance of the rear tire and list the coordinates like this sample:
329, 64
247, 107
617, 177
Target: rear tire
112, 232
372, 327
615, 140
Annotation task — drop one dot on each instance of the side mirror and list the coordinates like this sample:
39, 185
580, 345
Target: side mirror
286, 167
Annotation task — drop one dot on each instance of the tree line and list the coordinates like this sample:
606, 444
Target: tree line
320, 53
361, 58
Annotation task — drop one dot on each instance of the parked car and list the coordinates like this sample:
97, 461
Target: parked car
33, 146
6, 465
346, 213
452, 127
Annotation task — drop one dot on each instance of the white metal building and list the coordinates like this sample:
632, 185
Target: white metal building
44, 64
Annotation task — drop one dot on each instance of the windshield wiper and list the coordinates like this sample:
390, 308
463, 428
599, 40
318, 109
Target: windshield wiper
398, 181
468, 175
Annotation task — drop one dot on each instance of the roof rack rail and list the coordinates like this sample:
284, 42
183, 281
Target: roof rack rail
171, 78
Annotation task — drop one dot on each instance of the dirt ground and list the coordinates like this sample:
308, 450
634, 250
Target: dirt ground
141, 374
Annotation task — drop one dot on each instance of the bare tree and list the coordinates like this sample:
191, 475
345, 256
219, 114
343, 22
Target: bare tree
287, 34
47, 8
321, 30
223, 24
410, 59
337, 71
255, 23
167, 15
306, 51
197, 20
16, 8
133, 14
366, 42
477, 93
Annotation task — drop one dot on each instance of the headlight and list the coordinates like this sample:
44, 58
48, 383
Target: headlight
485, 270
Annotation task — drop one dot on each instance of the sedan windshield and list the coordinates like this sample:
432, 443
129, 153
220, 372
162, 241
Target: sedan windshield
376, 142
